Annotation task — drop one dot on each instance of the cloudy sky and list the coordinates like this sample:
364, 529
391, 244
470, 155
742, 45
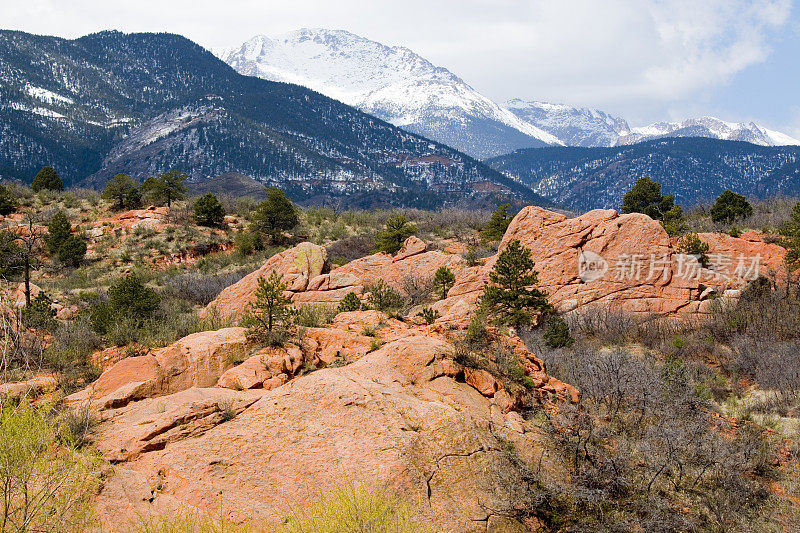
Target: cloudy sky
646, 60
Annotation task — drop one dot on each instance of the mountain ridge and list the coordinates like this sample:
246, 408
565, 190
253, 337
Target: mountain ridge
390, 82
594, 128
400, 86
695, 170
144, 103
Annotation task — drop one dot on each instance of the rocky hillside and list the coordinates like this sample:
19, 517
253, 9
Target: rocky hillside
392, 83
392, 401
146, 103
179, 407
695, 170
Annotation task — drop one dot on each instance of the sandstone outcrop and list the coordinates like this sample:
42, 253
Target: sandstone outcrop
637, 268
197, 360
368, 399
29, 387
394, 416
152, 217
298, 266
620, 262
213, 423
303, 268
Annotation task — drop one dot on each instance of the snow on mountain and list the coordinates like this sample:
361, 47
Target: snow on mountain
392, 83
595, 128
709, 127
573, 126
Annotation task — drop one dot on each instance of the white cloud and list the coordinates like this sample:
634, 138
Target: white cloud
631, 56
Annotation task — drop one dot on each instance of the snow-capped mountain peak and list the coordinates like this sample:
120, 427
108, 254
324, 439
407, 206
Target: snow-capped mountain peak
573, 126
595, 128
392, 83
710, 127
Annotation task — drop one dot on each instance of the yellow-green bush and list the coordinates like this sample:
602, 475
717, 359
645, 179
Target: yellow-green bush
351, 509
191, 522
46, 481
348, 509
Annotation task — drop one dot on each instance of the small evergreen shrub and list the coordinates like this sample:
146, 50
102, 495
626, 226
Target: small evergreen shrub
691, 244
72, 251
275, 215
122, 190
8, 202
729, 207
58, 231
40, 313
248, 242
351, 302
498, 223
208, 211
130, 302
47, 179
429, 315
385, 298
394, 233
443, 281
557, 334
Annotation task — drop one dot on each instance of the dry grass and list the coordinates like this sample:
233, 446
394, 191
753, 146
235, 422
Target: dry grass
347, 509
352, 509
191, 522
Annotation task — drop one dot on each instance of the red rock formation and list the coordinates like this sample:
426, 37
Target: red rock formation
636, 267
393, 416
388, 404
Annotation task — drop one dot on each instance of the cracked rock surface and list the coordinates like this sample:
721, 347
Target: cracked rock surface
393, 417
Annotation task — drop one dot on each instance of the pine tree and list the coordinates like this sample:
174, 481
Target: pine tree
208, 211
130, 297
691, 244
645, 197
275, 215
39, 314
511, 297
58, 231
498, 223
61, 243
72, 251
729, 207
270, 306
149, 189
47, 179
557, 333
394, 233
121, 189
443, 281
8, 202
133, 200
166, 188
